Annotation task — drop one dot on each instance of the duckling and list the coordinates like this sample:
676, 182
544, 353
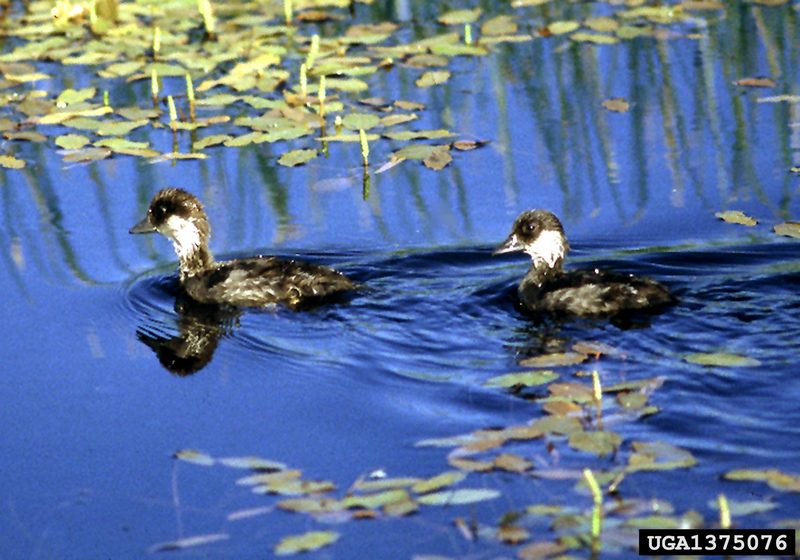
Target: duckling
547, 288
252, 282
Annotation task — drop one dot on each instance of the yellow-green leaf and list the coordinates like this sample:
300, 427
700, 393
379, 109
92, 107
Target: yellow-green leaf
10, 162
524, 379
433, 78
721, 359
736, 217
313, 540
71, 141
297, 157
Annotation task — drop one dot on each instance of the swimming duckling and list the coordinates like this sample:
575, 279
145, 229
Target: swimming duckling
547, 288
252, 282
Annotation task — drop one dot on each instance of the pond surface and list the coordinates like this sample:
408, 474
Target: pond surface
92, 418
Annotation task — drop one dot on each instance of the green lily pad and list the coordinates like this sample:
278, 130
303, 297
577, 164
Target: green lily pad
11, 162
87, 155
788, 229
313, 540
211, 140
119, 128
562, 27
266, 478
427, 60
599, 443
373, 501
602, 24
617, 105
359, 121
252, 463
347, 138
195, 457
565, 425
71, 141
385, 483
632, 400
458, 497
499, 25
311, 505
736, 217
576, 392
350, 85
776, 479
657, 456
524, 379
721, 359
406, 135
400, 118
438, 481
71, 96
297, 157
556, 359
25, 135
433, 78
459, 17
596, 38
189, 542
438, 159
512, 463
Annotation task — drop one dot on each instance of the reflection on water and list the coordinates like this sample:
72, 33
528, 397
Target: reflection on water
92, 420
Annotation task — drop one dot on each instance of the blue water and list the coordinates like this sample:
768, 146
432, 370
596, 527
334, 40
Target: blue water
91, 418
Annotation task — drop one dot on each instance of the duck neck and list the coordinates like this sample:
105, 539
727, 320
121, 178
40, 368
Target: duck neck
195, 261
541, 272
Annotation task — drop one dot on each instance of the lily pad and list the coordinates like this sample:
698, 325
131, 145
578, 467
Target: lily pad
297, 157
401, 118
756, 82
406, 135
775, 478
459, 17
438, 481
599, 443
499, 25
617, 105
189, 542
252, 463
359, 121
11, 162
721, 359
438, 159
87, 155
524, 379
512, 463
71, 96
562, 27
557, 359
657, 456
71, 141
788, 229
459, 497
433, 78
595, 38
373, 501
313, 540
195, 457
736, 217
565, 425
211, 140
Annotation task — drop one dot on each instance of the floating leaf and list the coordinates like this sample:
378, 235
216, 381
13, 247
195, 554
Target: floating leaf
562, 27
385, 483
195, 457
658, 456
87, 155
596, 38
576, 392
541, 549
632, 400
433, 78
736, 217
392, 120
405, 135
557, 359
775, 478
468, 145
721, 359
119, 128
189, 542
756, 82
297, 157
252, 463
439, 481
25, 135
373, 501
71, 141
599, 443
458, 497
10, 162
438, 159
266, 478
311, 505
71, 96
524, 379
512, 463
602, 24
358, 121
351, 85
313, 540
459, 17
558, 425
617, 104
561, 407
499, 25
212, 140
347, 138
409, 105
740, 508
427, 60
788, 229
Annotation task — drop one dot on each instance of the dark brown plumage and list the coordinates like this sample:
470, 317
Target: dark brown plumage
252, 282
547, 288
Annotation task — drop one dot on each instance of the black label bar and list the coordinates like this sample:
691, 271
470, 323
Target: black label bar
706, 542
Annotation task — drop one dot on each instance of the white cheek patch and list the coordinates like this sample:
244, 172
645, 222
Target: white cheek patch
549, 247
185, 235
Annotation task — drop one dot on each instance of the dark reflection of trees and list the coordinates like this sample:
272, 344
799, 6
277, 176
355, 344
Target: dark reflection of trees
200, 328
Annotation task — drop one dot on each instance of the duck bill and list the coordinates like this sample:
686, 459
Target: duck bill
143, 227
510, 245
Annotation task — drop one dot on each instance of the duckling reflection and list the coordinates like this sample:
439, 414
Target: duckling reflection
200, 328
